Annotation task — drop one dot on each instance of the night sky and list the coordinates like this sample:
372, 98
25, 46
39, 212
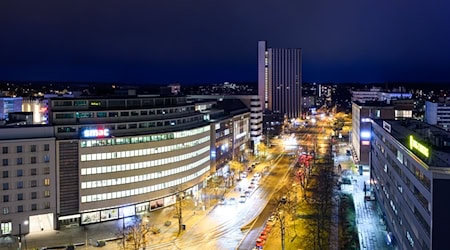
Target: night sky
166, 41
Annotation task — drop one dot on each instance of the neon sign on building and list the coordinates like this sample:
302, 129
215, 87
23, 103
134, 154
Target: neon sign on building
94, 133
415, 145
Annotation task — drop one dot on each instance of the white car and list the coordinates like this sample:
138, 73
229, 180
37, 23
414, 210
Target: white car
242, 198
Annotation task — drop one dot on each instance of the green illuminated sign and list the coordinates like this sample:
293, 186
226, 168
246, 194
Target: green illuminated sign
413, 144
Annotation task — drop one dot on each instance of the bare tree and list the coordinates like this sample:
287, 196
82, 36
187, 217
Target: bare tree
137, 235
321, 203
179, 193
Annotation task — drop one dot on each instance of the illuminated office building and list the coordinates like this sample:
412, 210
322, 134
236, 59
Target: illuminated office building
252, 104
127, 155
410, 177
102, 159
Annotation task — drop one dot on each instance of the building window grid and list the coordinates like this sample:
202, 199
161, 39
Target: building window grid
145, 177
422, 200
142, 190
142, 152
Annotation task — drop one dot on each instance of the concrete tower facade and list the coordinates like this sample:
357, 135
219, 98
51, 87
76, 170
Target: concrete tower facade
280, 79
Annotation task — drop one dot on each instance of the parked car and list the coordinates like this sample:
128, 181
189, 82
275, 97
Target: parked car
260, 243
242, 198
100, 243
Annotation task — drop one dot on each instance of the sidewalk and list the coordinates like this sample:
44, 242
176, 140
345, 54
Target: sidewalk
371, 230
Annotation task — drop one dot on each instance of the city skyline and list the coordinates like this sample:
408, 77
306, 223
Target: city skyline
177, 41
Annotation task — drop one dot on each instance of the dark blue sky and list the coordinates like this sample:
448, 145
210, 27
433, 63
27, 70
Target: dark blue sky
165, 41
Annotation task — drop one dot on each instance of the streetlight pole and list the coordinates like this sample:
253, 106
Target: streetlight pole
20, 236
123, 230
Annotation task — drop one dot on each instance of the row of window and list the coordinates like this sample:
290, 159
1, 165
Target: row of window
103, 114
20, 172
20, 196
33, 207
142, 190
126, 103
142, 139
20, 148
124, 126
142, 152
139, 165
20, 184
144, 177
33, 160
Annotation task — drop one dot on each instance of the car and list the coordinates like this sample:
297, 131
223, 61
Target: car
232, 200
260, 242
222, 201
242, 198
100, 243
247, 193
283, 200
257, 175
272, 218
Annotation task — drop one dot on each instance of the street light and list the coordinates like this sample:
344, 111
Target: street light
20, 233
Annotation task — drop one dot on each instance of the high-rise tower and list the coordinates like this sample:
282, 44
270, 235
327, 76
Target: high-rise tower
280, 79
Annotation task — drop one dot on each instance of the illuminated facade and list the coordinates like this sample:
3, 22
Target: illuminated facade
126, 155
410, 177
362, 113
8, 105
252, 102
108, 158
280, 79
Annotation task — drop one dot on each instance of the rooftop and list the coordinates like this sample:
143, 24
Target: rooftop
428, 137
